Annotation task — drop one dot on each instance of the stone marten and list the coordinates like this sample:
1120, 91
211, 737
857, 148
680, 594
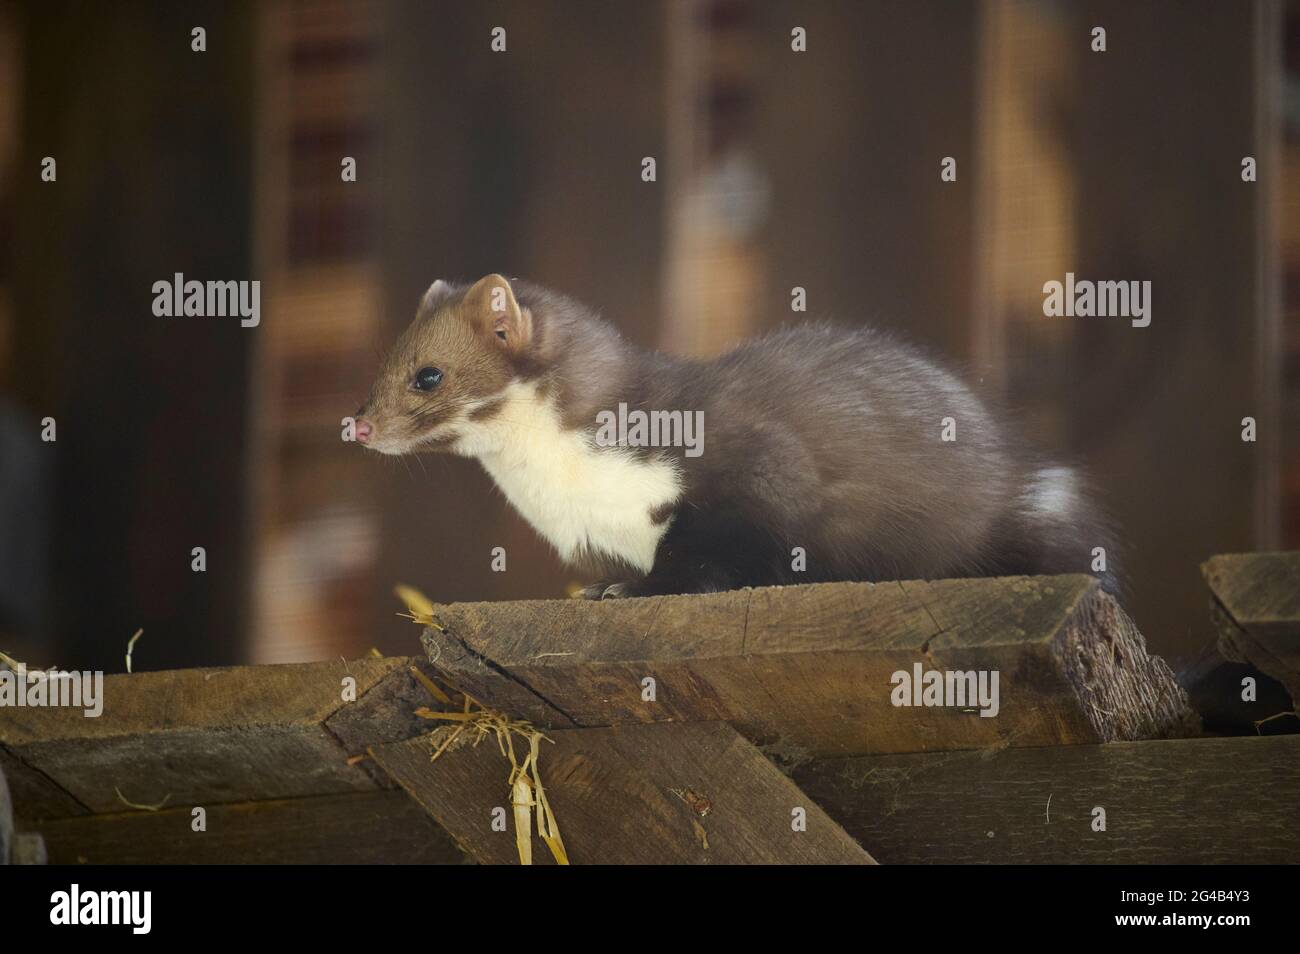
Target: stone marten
812, 454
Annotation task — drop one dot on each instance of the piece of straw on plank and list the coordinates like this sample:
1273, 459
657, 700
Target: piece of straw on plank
144, 808
130, 647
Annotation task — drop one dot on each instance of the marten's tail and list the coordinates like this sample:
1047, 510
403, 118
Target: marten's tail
1054, 527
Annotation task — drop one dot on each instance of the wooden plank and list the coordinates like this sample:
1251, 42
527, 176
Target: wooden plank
1257, 611
377, 827
615, 794
386, 713
35, 796
470, 670
16, 847
1184, 801
806, 671
202, 736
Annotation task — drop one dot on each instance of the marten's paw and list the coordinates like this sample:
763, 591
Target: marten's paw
604, 590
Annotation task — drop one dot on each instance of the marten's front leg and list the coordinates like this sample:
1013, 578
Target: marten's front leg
696, 557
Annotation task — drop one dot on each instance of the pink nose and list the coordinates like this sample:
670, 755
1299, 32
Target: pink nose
364, 431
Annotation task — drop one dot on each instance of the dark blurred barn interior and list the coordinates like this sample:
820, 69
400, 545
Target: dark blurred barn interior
776, 169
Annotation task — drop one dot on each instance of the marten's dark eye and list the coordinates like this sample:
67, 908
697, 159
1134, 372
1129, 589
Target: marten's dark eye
426, 379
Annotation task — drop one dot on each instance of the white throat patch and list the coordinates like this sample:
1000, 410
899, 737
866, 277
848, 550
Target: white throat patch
579, 496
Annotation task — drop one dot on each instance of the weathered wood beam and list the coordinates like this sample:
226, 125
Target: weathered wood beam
376, 827
34, 796
805, 671
671, 793
1185, 801
16, 847
1257, 612
205, 736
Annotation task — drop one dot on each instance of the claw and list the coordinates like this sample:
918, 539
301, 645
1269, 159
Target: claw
614, 591
603, 590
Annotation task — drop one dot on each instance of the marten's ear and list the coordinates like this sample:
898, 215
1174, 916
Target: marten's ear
436, 293
491, 305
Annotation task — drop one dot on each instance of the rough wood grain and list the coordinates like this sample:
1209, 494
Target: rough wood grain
386, 713
205, 736
1257, 611
378, 827
805, 671
1185, 801
35, 796
16, 847
624, 796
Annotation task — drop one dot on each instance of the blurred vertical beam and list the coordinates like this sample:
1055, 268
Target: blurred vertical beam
682, 136
717, 200
11, 76
988, 341
151, 141
270, 182
11, 79
851, 135
1270, 346
1024, 205
316, 519
1288, 220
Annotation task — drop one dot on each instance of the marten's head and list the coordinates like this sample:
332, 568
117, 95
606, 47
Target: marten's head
448, 368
